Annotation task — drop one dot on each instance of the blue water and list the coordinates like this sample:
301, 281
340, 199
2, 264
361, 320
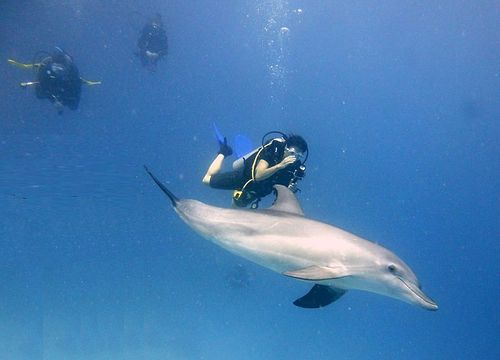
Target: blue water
399, 104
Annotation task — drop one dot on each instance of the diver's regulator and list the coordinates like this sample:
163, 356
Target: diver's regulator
298, 174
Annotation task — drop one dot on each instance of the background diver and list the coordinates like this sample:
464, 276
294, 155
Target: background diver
278, 161
153, 43
57, 78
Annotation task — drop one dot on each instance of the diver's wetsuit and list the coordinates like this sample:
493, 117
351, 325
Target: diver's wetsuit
236, 180
153, 40
59, 81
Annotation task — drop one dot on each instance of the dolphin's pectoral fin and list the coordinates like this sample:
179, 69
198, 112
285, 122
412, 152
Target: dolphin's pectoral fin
316, 273
319, 296
286, 201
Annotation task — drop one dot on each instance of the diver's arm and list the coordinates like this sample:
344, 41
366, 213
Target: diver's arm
263, 171
22, 65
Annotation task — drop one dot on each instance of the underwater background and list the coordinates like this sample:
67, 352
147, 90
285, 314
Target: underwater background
399, 102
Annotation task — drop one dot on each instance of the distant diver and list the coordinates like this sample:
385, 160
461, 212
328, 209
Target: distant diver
153, 43
278, 161
57, 78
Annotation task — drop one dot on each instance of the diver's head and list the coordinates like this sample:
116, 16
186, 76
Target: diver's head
157, 22
60, 56
296, 146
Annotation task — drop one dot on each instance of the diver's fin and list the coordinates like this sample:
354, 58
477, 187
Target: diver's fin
22, 65
90, 82
170, 195
286, 201
242, 145
317, 273
29, 83
218, 134
319, 296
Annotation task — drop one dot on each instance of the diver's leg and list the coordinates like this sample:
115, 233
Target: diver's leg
226, 181
213, 169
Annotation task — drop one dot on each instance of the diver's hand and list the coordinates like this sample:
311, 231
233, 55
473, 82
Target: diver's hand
224, 148
287, 161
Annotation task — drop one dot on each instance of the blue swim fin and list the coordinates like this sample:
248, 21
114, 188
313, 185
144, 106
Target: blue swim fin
242, 145
218, 134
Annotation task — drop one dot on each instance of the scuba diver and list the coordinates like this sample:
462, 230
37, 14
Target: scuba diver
278, 161
153, 43
57, 78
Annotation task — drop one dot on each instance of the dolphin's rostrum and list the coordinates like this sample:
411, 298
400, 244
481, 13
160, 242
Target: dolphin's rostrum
282, 239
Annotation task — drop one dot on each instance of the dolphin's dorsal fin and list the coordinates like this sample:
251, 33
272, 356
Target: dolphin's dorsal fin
167, 192
317, 273
286, 201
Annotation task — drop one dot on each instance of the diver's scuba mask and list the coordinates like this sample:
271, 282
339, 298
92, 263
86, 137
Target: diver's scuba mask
293, 151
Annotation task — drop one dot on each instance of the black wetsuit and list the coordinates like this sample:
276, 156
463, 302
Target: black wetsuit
153, 39
59, 81
254, 190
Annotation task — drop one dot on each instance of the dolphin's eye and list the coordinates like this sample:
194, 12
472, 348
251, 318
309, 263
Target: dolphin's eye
391, 268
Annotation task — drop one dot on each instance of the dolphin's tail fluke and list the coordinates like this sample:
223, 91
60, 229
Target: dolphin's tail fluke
171, 196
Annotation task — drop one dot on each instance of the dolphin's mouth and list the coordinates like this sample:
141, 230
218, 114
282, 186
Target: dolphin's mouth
425, 301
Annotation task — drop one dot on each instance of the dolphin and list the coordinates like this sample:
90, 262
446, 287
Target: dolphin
282, 239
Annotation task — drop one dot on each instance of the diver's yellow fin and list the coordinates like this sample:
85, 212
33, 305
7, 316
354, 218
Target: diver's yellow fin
90, 82
22, 65
29, 83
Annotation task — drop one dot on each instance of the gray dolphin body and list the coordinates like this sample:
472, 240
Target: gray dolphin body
282, 239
